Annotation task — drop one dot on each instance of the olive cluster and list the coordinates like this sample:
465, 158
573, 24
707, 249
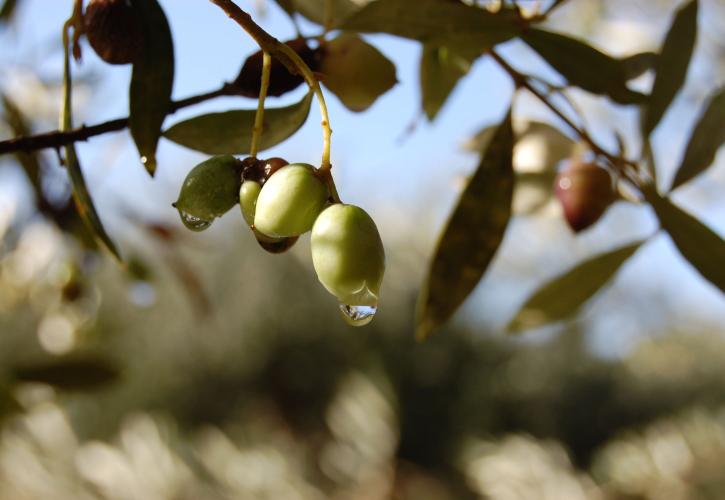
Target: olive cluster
281, 201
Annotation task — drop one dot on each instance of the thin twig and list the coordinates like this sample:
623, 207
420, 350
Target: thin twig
57, 139
259, 116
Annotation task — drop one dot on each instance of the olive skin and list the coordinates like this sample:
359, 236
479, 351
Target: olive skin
585, 192
348, 254
248, 194
290, 201
113, 29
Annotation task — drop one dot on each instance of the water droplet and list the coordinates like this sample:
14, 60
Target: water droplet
358, 315
194, 223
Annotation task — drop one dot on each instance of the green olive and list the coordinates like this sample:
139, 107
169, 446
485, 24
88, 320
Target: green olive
348, 254
290, 201
248, 195
209, 191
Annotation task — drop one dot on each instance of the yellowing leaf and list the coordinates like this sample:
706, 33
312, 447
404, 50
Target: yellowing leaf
151, 81
707, 137
472, 235
230, 132
672, 64
583, 65
561, 297
356, 72
699, 244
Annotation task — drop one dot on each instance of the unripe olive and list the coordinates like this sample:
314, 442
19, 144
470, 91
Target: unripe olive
290, 201
209, 191
248, 195
585, 192
348, 255
114, 30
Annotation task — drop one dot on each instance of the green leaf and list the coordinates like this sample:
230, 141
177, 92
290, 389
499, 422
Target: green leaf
315, 10
672, 64
583, 65
443, 23
81, 196
699, 244
72, 373
230, 132
440, 70
356, 72
472, 236
707, 137
561, 297
151, 81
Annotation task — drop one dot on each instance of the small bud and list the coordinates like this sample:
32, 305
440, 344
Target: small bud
585, 192
114, 30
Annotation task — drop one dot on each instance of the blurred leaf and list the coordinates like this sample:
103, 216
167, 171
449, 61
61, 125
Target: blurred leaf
151, 82
314, 10
638, 64
287, 6
440, 70
81, 196
230, 132
699, 244
72, 373
8, 405
557, 146
444, 23
561, 297
7, 10
20, 127
672, 64
707, 137
583, 65
356, 72
472, 236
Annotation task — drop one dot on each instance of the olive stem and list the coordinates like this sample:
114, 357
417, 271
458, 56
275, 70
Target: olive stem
259, 116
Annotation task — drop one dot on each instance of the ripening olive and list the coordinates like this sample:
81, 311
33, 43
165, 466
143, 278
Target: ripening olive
348, 254
585, 192
290, 201
114, 30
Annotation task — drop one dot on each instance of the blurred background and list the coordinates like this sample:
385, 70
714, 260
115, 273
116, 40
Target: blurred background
211, 369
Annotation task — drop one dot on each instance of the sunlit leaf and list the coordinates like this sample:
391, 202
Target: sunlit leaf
445, 23
472, 235
151, 81
73, 373
707, 137
230, 132
583, 66
356, 72
699, 244
561, 297
81, 196
672, 64
440, 70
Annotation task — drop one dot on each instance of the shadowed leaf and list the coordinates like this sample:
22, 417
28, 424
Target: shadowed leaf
440, 70
151, 81
584, 66
315, 10
69, 374
472, 235
7, 10
638, 64
443, 23
671, 67
230, 132
81, 196
707, 137
561, 297
699, 244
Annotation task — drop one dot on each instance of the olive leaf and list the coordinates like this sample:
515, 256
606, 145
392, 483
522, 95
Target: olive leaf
443, 23
707, 137
584, 66
441, 68
561, 297
671, 67
230, 132
315, 10
152, 81
356, 72
638, 64
7, 10
699, 244
70, 373
472, 235
81, 196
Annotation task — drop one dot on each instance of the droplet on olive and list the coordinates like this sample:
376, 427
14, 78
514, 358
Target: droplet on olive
290, 201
